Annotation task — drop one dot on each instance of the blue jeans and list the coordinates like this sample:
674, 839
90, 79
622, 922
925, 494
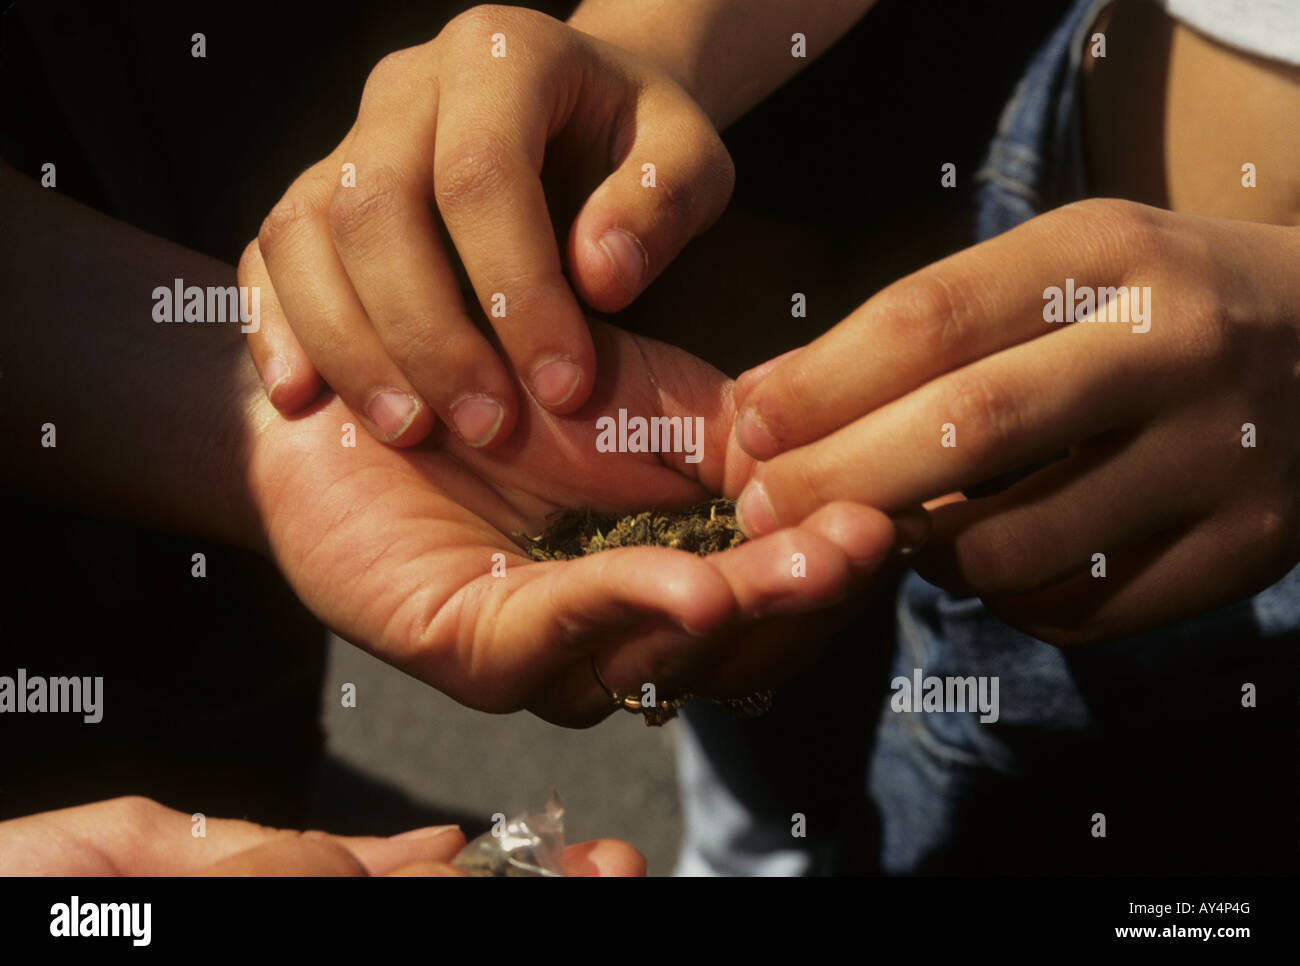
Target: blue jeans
1147, 739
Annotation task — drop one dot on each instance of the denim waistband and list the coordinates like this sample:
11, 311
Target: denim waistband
1035, 161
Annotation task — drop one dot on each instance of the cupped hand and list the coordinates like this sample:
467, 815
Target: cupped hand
454, 134
1181, 419
410, 554
138, 836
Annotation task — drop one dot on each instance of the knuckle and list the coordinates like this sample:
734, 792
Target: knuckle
373, 201
136, 809
986, 414
431, 355
392, 80
1132, 233
1098, 211
469, 174
477, 19
390, 71
930, 306
418, 348
290, 216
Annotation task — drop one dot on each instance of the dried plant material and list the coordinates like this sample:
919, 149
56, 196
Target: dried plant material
705, 528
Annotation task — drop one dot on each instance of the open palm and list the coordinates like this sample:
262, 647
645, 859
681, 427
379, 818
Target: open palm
394, 549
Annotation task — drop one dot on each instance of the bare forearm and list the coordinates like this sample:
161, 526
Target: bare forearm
148, 420
729, 54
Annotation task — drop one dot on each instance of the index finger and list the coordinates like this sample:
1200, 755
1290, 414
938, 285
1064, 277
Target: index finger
945, 316
487, 184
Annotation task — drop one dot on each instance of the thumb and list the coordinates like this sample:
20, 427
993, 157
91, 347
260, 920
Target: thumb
689, 387
671, 183
290, 853
750, 378
287, 852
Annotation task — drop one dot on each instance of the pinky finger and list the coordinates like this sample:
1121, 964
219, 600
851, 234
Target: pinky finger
1176, 575
290, 379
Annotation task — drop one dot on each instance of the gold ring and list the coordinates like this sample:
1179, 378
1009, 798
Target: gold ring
655, 714
749, 706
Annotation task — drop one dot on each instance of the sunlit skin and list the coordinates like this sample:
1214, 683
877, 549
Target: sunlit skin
138, 836
450, 137
394, 550
1158, 479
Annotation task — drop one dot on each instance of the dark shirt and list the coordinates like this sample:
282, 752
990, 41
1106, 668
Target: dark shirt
211, 685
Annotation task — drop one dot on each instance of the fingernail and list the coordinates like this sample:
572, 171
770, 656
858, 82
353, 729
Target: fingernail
754, 513
477, 419
425, 833
555, 381
754, 436
627, 256
911, 532
274, 373
392, 412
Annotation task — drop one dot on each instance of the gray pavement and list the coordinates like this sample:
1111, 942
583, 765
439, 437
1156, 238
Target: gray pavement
407, 755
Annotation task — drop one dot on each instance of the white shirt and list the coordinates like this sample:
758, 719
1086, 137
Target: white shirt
1269, 28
